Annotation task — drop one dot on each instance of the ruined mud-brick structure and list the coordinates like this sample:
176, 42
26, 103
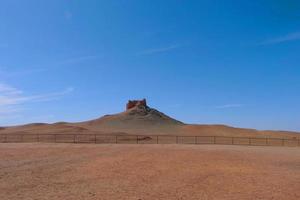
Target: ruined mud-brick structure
136, 103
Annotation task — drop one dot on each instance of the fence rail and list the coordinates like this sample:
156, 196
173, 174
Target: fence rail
148, 139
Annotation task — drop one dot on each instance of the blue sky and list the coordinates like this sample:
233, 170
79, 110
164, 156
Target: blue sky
211, 62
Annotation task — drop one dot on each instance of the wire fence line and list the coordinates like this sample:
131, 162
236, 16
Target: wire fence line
146, 139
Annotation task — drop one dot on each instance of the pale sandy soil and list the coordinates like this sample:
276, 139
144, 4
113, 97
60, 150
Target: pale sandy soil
87, 171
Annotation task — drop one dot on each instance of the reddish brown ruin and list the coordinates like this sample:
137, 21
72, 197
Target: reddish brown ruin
135, 103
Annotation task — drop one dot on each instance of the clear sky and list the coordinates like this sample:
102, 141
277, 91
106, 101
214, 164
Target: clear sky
211, 62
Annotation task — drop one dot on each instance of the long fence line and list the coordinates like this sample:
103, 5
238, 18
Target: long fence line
149, 139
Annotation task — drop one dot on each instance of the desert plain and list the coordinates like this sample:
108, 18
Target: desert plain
38, 168
142, 172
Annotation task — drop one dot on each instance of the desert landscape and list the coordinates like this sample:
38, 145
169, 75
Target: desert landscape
140, 119
142, 172
149, 100
145, 166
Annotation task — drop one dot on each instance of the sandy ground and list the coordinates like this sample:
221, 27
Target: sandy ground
88, 171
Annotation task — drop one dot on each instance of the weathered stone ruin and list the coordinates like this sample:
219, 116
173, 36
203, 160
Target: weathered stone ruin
136, 103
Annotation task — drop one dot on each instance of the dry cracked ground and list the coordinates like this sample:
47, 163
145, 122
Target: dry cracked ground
141, 172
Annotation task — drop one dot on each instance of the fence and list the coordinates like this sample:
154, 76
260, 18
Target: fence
142, 139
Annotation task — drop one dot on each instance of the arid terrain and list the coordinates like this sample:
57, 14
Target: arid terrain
85, 171
155, 169
140, 119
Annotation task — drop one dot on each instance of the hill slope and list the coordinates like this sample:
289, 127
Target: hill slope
142, 120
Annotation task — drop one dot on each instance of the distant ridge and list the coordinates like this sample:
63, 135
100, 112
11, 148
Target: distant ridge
140, 119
